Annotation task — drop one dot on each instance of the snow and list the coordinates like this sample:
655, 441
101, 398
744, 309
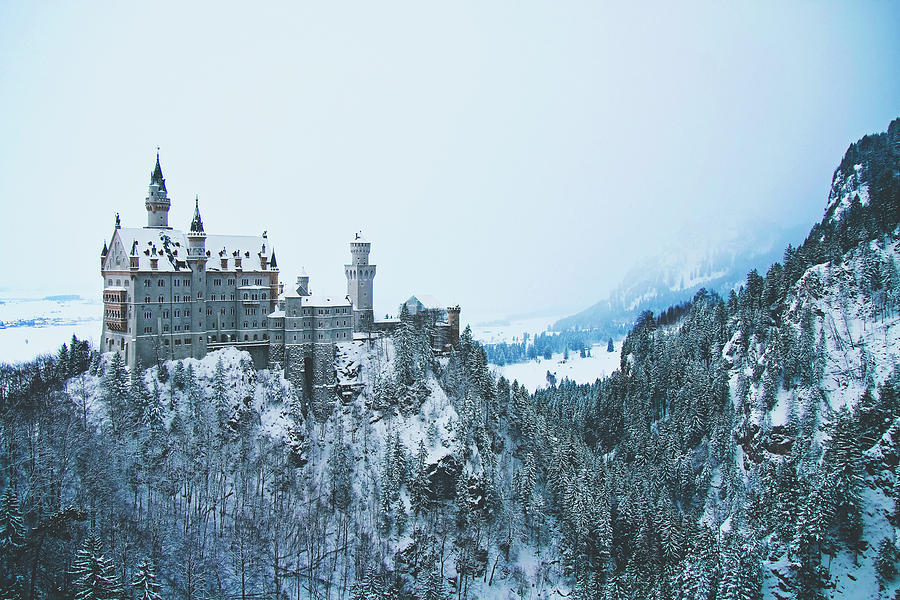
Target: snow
511, 330
862, 350
843, 190
21, 344
533, 374
30, 326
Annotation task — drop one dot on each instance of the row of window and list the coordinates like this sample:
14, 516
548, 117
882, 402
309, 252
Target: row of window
187, 283
335, 323
162, 282
320, 311
322, 336
175, 298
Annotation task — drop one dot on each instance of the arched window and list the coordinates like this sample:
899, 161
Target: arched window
245, 296
255, 337
246, 338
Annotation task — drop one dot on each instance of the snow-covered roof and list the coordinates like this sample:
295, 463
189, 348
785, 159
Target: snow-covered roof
278, 314
170, 249
323, 301
315, 300
246, 247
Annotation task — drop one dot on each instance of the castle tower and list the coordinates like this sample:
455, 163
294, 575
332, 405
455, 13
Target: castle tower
453, 321
360, 275
196, 259
303, 283
157, 202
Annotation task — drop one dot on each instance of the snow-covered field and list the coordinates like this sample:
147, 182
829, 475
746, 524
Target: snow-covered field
506, 330
533, 374
30, 326
21, 344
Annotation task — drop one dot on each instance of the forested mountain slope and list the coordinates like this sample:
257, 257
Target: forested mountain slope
746, 449
680, 271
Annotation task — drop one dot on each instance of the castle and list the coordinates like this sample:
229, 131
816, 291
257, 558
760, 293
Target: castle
170, 294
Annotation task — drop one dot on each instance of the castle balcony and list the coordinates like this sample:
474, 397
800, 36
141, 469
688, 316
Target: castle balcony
115, 308
116, 324
115, 294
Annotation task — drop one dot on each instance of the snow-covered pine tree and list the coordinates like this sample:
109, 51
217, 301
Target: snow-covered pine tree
12, 542
418, 484
340, 466
434, 587
93, 574
12, 526
843, 462
145, 581
114, 392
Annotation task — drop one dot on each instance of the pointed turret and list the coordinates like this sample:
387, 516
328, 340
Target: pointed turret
157, 202
274, 262
156, 178
105, 250
197, 222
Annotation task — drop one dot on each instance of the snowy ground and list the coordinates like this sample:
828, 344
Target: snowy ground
32, 325
506, 330
533, 374
21, 344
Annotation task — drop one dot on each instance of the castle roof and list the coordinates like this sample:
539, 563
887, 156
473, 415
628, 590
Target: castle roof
156, 176
317, 301
169, 246
197, 222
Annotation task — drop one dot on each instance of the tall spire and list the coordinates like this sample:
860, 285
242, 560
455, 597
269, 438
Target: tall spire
157, 202
157, 175
197, 223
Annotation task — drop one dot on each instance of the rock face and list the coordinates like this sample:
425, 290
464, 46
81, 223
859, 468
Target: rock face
442, 477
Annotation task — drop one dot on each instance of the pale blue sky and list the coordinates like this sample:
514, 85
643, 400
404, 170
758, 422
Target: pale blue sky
509, 156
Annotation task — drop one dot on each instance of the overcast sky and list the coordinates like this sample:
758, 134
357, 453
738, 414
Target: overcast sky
508, 156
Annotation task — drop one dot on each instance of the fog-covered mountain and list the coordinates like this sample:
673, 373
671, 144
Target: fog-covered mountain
719, 264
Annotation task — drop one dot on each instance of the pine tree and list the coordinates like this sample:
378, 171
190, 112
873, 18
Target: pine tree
341, 472
145, 582
434, 587
741, 572
114, 392
12, 542
12, 527
418, 485
806, 547
138, 399
93, 574
843, 461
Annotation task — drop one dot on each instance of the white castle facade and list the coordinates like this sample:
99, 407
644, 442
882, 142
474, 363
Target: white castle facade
170, 294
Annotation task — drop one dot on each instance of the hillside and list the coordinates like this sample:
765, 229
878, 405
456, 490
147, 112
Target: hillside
679, 272
746, 447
